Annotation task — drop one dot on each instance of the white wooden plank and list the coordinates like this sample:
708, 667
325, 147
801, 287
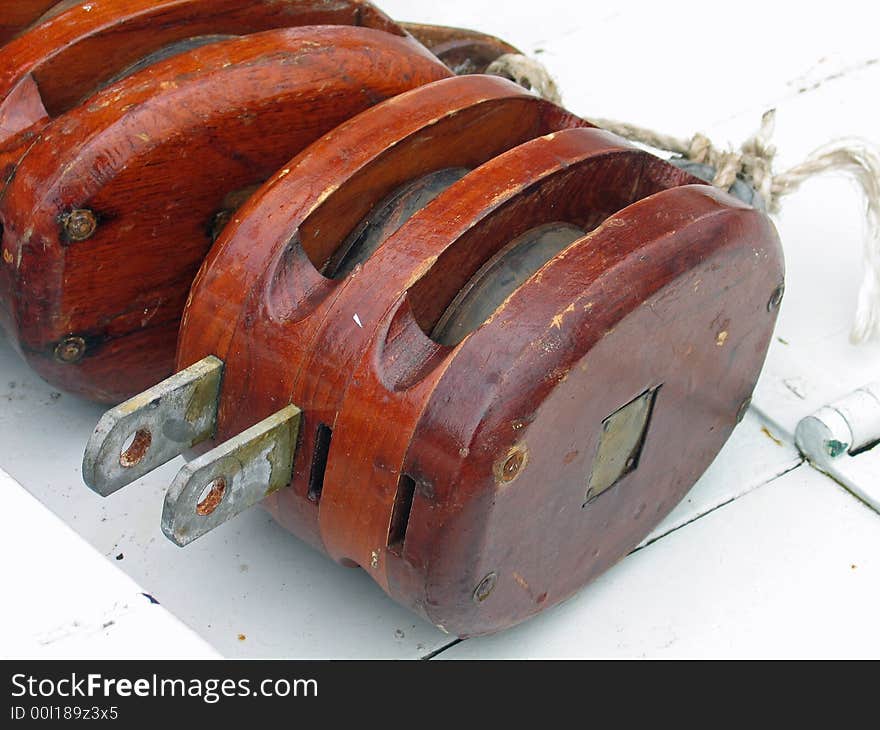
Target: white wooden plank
753, 456
678, 66
249, 579
791, 569
64, 600
812, 361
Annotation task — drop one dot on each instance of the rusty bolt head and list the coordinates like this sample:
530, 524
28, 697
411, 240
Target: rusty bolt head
776, 298
511, 467
485, 588
70, 350
80, 224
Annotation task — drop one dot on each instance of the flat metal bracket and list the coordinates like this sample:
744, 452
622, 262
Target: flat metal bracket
154, 427
620, 444
226, 481
840, 440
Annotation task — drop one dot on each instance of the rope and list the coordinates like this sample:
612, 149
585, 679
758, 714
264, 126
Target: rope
528, 73
753, 162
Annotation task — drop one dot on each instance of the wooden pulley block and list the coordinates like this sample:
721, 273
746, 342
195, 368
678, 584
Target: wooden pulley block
465, 51
111, 208
466, 342
129, 131
79, 45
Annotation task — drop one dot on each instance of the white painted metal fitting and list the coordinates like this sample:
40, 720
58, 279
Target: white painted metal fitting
839, 440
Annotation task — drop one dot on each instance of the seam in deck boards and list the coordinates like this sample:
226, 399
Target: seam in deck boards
436, 652
865, 65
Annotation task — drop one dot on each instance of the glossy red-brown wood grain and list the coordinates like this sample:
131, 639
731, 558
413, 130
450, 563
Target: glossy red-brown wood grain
78, 46
259, 290
668, 288
73, 50
155, 156
669, 292
578, 176
16, 15
464, 51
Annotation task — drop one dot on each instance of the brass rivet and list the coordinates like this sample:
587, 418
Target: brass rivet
511, 467
485, 588
776, 298
80, 224
70, 349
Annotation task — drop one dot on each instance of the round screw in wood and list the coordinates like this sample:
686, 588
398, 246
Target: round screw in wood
485, 588
511, 468
70, 350
80, 224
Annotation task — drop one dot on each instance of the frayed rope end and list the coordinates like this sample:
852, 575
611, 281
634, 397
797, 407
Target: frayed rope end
855, 157
753, 162
859, 160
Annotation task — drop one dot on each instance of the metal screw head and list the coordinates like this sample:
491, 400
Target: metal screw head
70, 350
512, 466
79, 224
776, 298
485, 588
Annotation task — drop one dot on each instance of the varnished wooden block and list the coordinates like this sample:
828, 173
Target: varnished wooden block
112, 204
77, 47
516, 342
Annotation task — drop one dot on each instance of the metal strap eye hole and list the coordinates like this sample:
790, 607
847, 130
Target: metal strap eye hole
211, 496
135, 448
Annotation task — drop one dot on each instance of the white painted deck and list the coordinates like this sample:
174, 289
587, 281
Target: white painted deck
766, 557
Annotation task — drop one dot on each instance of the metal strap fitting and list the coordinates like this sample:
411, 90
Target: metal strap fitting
839, 439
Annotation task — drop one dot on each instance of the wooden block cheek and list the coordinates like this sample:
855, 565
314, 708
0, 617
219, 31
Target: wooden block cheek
68, 54
466, 139
463, 120
121, 174
527, 407
371, 438
71, 53
406, 362
291, 290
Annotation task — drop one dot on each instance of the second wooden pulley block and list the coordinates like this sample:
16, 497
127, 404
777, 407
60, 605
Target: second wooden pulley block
465, 341
129, 133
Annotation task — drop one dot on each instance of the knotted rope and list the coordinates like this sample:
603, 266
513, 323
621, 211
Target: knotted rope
753, 162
